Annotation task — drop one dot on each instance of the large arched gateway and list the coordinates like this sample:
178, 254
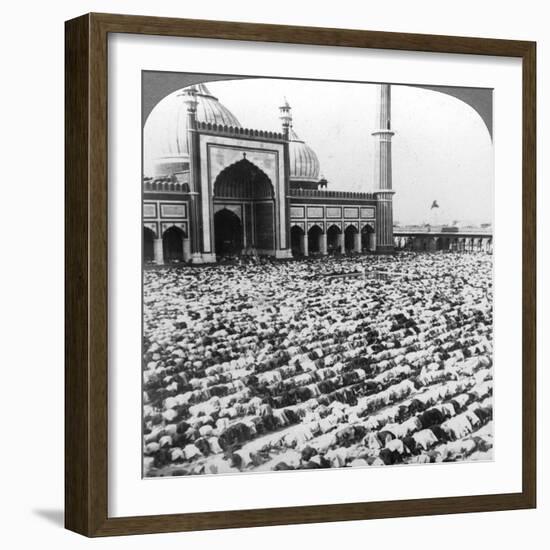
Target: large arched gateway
244, 193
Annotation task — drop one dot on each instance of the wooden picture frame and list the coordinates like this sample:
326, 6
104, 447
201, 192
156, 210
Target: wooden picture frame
86, 417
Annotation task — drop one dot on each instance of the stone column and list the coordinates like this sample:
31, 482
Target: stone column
305, 245
186, 249
340, 243
372, 242
323, 243
383, 172
284, 254
158, 251
357, 242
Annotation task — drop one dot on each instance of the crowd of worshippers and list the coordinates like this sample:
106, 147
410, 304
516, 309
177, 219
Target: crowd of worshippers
283, 365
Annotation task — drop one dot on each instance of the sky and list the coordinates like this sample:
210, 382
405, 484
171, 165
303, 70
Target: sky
442, 150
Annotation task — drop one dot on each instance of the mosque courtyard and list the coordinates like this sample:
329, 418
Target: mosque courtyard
349, 361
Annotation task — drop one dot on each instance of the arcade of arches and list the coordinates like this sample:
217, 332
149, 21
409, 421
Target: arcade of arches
333, 241
172, 247
232, 237
428, 243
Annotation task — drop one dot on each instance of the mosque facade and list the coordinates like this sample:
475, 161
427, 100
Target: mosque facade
219, 189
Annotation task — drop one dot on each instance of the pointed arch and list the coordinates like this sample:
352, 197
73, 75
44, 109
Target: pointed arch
368, 237
297, 240
228, 233
334, 239
172, 244
350, 238
148, 245
243, 179
314, 236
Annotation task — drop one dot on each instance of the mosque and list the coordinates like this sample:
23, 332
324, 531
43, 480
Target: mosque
218, 188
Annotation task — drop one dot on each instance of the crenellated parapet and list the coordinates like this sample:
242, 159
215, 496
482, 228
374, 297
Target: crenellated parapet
234, 131
325, 194
166, 184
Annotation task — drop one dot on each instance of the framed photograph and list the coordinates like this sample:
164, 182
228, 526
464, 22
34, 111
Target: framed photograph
300, 275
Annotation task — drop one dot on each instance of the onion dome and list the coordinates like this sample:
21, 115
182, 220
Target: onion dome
304, 164
165, 133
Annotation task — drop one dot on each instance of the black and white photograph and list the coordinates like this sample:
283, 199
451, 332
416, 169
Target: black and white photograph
317, 280
275, 275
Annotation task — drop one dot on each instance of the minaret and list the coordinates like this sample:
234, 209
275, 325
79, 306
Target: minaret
383, 172
286, 117
190, 99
